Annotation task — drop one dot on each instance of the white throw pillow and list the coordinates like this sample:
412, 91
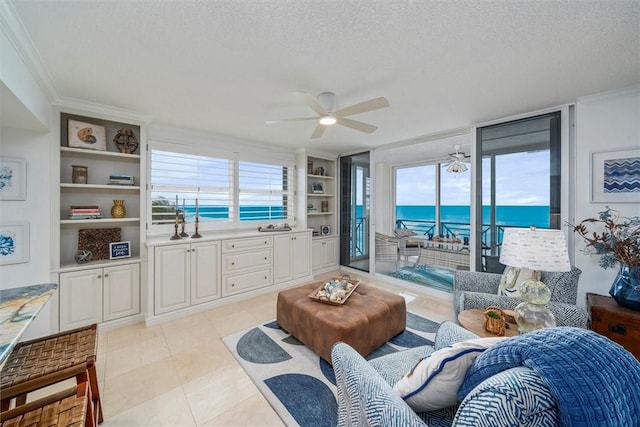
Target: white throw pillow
434, 382
512, 278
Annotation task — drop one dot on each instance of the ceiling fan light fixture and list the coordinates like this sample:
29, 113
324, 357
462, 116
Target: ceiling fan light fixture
328, 120
457, 168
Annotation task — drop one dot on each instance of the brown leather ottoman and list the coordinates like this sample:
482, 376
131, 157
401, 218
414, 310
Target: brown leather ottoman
368, 319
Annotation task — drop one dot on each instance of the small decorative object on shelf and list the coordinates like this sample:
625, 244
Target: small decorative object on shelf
86, 135
324, 206
83, 256
79, 174
320, 171
118, 209
176, 235
619, 245
494, 321
309, 166
126, 141
325, 230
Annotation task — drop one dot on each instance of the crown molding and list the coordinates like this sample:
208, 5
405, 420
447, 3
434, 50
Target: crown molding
84, 107
19, 38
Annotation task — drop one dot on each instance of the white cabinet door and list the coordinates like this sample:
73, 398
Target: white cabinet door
171, 278
205, 272
301, 255
331, 252
121, 290
283, 253
80, 298
324, 253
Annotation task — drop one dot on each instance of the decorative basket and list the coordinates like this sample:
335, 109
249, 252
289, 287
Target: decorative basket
494, 321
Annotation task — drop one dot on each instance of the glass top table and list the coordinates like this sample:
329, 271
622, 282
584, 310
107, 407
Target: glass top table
18, 308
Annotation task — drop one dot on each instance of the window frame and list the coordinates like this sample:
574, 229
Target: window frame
235, 159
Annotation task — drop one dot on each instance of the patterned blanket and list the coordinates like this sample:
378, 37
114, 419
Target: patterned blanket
594, 380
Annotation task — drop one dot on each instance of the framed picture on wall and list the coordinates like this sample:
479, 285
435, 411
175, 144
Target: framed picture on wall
86, 135
14, 243
13, 179
615, 176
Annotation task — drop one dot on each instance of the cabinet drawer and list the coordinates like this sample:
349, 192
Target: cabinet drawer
246, 281
235, 245
624, 331
247, 260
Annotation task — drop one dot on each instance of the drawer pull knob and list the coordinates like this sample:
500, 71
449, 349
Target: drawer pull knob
618, 328
233, 246
265, 258
233, 284
233, 263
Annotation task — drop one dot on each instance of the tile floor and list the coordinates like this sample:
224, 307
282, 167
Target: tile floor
179, 373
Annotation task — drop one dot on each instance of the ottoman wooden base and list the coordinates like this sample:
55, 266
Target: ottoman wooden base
368, 319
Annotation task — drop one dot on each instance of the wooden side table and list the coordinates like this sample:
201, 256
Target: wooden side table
615, 322
473, 320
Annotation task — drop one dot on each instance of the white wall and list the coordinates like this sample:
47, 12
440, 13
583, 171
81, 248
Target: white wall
604, 122
35, 148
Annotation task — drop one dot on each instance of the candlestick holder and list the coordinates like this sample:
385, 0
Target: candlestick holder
196, 235
176, 236
184, 224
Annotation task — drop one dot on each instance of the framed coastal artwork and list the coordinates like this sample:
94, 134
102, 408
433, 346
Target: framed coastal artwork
13, 179
14, 243
615, 176
86, 135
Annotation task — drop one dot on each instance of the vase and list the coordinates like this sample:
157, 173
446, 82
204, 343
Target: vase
118, 210
626, 287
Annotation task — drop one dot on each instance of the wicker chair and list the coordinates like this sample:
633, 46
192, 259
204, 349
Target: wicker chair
71, 407
387, 249
40, 362
472, 289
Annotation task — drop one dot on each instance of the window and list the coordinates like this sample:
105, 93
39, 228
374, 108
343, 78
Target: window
225, 193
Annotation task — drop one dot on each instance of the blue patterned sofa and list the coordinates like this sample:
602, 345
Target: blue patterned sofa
507, 395
472, 289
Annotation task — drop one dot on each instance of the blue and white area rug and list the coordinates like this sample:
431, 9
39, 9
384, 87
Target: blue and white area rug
298, 384
440, 278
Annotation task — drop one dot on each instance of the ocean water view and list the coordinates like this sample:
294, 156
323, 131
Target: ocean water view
518, 216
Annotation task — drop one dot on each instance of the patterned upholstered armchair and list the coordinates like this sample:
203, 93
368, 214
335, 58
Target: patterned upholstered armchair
472, 289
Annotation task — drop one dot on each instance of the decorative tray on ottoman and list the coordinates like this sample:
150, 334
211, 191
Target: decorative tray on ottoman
336, 291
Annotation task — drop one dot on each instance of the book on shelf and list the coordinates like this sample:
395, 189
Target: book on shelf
85, 216
118, 179
84, 212
84, 207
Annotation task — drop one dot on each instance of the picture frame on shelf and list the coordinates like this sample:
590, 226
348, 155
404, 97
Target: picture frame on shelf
14, 243
119, 250
13, 178
615, 176
317, 188
325, 230
86, 135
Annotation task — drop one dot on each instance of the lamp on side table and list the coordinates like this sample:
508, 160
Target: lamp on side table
537, 250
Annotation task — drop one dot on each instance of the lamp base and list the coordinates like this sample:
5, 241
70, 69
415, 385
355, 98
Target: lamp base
530, 316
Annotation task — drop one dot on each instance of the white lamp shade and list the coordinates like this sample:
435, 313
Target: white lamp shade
535, 249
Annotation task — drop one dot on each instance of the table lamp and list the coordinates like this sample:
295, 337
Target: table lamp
538, 250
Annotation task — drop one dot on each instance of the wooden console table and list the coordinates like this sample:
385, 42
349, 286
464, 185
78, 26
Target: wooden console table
615, 322
18, 308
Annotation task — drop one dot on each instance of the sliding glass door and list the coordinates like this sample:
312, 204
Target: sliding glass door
520, 181
355, 207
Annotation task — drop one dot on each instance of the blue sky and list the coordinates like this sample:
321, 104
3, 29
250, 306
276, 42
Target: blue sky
521, 179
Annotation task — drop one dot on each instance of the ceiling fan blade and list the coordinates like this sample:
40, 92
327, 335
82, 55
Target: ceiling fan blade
317, 133
370, 105
354, 124
311, 102
299, 119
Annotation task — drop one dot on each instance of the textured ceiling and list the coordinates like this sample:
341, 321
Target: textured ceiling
227, 66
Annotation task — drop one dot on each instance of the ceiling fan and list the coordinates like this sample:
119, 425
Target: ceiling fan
325, 107
457, 161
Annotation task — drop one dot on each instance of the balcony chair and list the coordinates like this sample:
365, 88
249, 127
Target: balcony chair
473, 289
